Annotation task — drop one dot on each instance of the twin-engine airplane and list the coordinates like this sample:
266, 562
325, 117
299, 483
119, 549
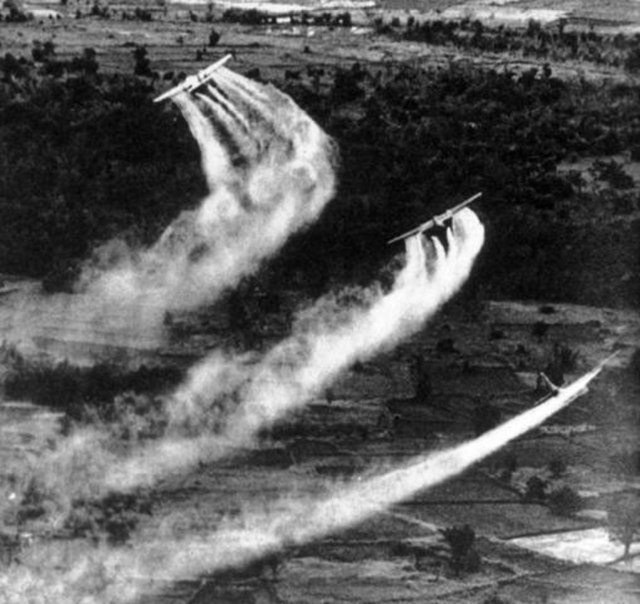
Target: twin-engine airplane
192, 82
436, 221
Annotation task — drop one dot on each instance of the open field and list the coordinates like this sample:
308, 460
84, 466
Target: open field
371, 420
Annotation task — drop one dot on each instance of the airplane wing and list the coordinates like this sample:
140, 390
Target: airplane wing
192, 82
555, 390
436, 220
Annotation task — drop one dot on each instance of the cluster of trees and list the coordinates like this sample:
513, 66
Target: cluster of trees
461, 541
561, 500
86, 156
413, 139
112, 518
256, 17
103, 390
623, 511
542, 42
102, 11
16, 13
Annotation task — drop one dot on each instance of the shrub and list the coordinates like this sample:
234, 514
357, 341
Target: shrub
623, 515
100, 11
214, 38
566, 357
509, 466
464, 558
495, 599
142, 65
31, 505
16, 12
536, 490
612, 173
86, 63
563, 359
632, 61
557, 467
564, 501
45, 51
534, 28
539, 329
138, 417
343, 19
142, 14
496, 334
113, 518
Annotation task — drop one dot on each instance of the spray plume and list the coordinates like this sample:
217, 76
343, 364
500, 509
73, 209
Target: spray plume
298, 522
290, 522
326, 340
270, 172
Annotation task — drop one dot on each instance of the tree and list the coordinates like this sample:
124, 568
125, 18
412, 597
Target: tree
536, 490
632, 62
142, 64
87, 62
43, 52
564, 501
557, 467
214, 38
623, 516
464, 557
17, 13
422, 379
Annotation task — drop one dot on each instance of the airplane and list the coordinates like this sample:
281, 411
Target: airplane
192, 82
436, 221
543, 380
554, 389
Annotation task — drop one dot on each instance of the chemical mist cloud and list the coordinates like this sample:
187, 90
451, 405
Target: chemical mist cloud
270, 170
325, 341
105, 575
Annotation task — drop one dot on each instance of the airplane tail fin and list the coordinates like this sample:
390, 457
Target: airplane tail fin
544, 381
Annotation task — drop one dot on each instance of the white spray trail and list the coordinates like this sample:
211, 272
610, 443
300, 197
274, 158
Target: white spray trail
424, 285
291, 522
326, 340
282, 184
323, 346
311, 519
270, 172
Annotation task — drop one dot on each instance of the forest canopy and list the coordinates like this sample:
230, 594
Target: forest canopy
88, 156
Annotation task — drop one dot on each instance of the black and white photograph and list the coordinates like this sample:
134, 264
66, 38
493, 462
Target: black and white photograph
319, 302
